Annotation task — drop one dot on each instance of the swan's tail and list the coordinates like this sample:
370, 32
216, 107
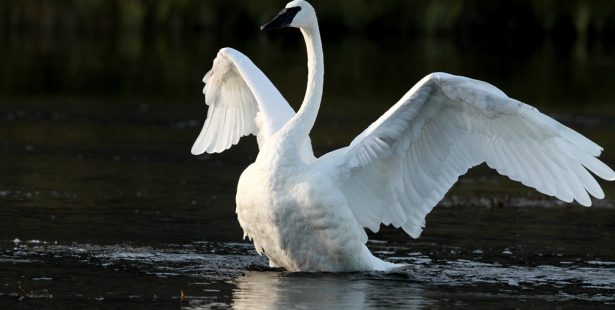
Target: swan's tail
381, 265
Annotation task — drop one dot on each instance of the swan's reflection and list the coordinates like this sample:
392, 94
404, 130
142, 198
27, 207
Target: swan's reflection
270, 290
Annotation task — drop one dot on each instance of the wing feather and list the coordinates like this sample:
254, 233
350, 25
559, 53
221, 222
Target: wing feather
242, 101
403, 164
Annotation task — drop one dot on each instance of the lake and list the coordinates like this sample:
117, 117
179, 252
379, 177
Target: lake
102, 205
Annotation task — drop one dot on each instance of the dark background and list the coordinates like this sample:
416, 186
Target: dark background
127, 47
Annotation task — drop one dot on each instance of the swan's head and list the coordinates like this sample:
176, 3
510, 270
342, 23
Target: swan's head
297, 14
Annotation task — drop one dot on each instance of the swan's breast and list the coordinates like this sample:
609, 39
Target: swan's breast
253, 212
301, 225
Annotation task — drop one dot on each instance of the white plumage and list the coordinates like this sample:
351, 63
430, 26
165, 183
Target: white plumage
309, 214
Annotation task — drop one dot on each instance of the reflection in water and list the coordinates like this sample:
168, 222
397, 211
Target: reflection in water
269, 290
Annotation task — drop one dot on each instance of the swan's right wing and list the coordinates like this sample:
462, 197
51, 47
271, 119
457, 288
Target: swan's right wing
398, 169
242, 101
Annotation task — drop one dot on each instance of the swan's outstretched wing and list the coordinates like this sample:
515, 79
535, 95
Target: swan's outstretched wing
398, 169
242, 101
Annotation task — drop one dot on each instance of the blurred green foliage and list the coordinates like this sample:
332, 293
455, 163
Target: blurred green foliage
161, 48
568, 18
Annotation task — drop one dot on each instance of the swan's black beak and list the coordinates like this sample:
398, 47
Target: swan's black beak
283, 19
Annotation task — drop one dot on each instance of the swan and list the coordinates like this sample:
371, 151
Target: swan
309, 214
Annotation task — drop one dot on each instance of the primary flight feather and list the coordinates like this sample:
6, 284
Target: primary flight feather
309, 214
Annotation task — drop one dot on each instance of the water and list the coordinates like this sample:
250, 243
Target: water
204, 275
102, 206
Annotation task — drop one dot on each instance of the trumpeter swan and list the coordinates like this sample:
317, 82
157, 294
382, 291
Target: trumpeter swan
310, 214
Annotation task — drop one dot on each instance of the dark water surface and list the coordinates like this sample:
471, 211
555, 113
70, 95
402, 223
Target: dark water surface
102, 206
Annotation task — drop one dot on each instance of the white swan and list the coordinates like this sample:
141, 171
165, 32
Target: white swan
309, 214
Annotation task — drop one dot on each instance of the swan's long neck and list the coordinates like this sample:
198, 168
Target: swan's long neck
298, 128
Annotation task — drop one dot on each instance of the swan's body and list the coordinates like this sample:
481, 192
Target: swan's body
309, 214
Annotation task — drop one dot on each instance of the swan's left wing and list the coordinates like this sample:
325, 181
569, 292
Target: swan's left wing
401, 166
242, 101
